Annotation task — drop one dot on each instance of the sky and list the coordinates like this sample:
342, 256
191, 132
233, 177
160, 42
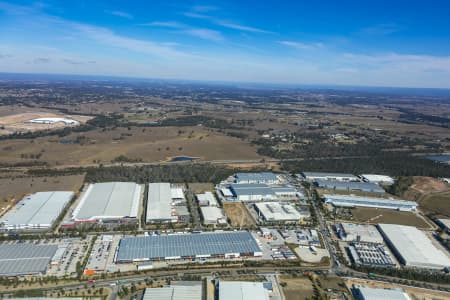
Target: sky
363, 43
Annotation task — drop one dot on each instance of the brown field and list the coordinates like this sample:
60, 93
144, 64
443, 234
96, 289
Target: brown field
297, 288
16, 122
437, 204
146, 144
238, 214
200, 187
373, 215
14, 189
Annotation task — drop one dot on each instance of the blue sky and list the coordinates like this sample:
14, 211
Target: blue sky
371, 43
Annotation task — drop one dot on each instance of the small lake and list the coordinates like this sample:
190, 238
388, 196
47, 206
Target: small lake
183, 158
440, 158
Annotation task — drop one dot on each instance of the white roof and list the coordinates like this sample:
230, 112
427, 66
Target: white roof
41, 208
275, 211
414, 246
445, 222
174, 292
177, 193
226, 192
375, 178
367, 233
212, 213
109, 200
240, 290
382, 294
208, 196
159, 202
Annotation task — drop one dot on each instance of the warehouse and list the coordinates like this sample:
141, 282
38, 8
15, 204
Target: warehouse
166, 204
353, 201
206, 199
370, 254
187, 246
242, 290
252, 192
312, 176
365, 293
358, 233
36, 211
252, 178
413, 247
351, 186
25, 258
277, 212
52, 121
286, 193
177, 290
213, 215
109, 202
378, 179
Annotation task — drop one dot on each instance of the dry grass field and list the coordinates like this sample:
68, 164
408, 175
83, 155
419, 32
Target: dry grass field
373, 215
437, 204
200, 187
297, 288
146, 144
238, 214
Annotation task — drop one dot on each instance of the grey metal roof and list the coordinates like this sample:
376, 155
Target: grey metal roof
178, 291
256, 177
364, 293
41, 208
109, 200
350, 200
251, 189
154, 247
159, 202
350, 186
241, 290
326, 174
25, 258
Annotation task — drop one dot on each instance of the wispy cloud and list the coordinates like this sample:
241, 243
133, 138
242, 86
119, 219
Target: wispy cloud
119, 13
203, 33
77, 62
301, 46
204, 8
41, 60
5, 56
382, 29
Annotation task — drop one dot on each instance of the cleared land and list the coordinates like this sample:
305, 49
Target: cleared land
297, 288
437, 204
200, 187
146, 144
17, 122
238, 214
373, 215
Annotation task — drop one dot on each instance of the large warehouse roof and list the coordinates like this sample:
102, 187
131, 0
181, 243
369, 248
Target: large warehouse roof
241, 290
25, 258
251, 189
349, 186
38, 210
180, 291
159, 203
262, 177
350, 201
109, 200
364, 293
184, 246
317, 175
413, 247
275, 211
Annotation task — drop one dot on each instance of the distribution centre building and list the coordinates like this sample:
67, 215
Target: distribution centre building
378, 179
37, 211
213, 215
187, 246
166, 204
262, 177
177, 290
312, 176
109, 202
365, 293
252, 192
413, 247
350, 232
353, 201
349, 186
278, 212
242, 290
25, 258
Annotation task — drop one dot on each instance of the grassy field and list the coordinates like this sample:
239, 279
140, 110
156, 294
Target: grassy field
146, 144
297, 288
200, 187
373, 215
437, 204
238, 214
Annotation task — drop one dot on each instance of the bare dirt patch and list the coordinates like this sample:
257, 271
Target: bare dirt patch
297, 288
376, 216
238, 214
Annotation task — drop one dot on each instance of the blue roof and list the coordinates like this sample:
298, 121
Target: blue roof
155, 247
256, 177
349, 186
251, 189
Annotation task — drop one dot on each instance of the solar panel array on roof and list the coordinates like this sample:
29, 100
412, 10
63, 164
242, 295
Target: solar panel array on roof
36, 211
109, 200
25, 258
186, 246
